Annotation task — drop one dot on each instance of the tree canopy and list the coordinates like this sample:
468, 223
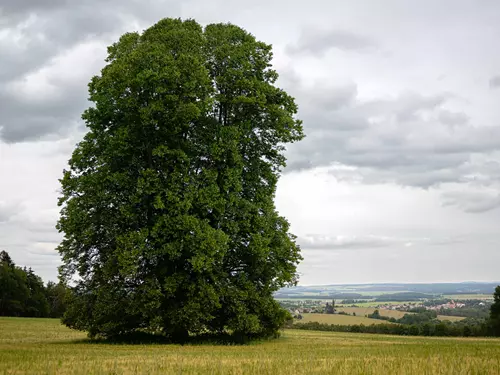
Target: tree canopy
168, 208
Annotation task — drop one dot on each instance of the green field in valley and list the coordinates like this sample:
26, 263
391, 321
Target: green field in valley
339, 319
451, 318
43, 346
362, 311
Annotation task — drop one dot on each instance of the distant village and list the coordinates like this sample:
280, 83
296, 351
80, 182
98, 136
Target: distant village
296, 307
411, 305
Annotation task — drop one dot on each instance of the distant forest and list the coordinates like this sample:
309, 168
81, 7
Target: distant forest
23, 293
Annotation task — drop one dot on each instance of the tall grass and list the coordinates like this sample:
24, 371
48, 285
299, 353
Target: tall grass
43, 346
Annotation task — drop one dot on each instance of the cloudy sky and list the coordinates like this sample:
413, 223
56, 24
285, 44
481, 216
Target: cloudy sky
398, 178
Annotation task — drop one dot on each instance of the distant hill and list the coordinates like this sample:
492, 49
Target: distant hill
403, 296
367, 291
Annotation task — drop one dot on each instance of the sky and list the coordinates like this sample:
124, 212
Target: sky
398, 179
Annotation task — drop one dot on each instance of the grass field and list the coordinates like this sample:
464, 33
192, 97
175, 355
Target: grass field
362, 311
339, 319
450, 318
43, 346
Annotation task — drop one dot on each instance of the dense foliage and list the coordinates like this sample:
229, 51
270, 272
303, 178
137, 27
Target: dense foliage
480, 312
22, 292
402, 296
495, 312
168, 206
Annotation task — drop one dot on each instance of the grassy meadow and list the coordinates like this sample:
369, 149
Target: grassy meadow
43, 346
339, 319
362, 311
451, 318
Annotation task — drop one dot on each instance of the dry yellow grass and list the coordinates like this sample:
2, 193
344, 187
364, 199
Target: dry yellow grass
31, 346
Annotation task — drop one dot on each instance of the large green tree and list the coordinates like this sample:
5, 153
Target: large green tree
168, 207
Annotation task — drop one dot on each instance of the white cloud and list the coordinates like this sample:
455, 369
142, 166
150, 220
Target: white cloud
326, 242
319, 42
474, 199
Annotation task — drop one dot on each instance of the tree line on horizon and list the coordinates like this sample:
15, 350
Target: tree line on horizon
23, 293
